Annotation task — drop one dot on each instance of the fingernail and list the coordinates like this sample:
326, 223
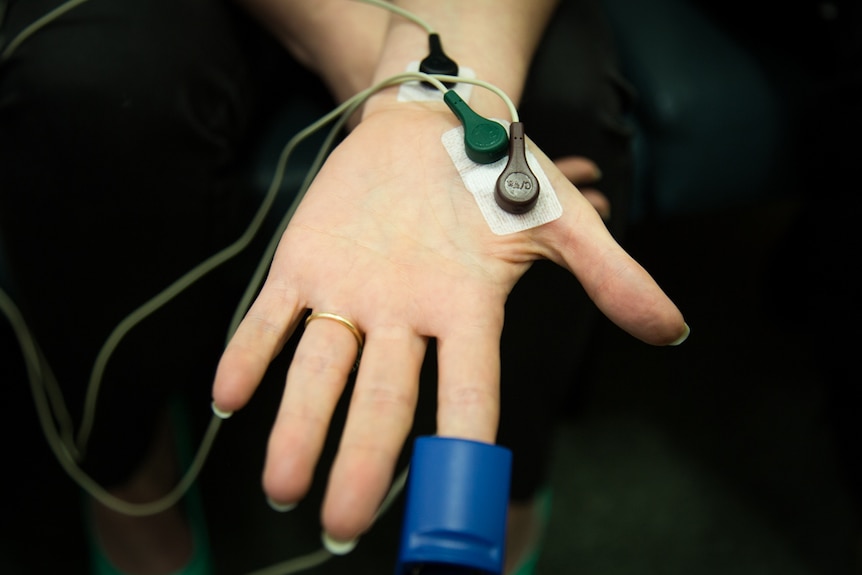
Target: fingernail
219, 413
280, 507
683, 337
337, 547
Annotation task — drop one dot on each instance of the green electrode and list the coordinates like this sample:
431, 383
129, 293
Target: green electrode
485, 141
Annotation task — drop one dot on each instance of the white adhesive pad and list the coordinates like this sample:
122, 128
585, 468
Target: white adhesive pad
481, 179
417, 92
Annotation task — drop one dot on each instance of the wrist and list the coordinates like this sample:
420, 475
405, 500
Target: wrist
427, 113
479, 97
408, 44
487, 137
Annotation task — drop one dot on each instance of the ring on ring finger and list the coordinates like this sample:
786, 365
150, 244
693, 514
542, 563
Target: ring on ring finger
360, 339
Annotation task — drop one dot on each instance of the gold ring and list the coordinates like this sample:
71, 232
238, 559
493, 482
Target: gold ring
360, 340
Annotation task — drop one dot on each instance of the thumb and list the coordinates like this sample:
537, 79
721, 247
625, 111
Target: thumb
621, 288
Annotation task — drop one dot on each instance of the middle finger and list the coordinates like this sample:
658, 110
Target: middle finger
378, 422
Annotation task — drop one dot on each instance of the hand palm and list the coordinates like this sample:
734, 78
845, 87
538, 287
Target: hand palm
394, 237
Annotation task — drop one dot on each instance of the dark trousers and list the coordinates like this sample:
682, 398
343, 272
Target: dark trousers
120, 129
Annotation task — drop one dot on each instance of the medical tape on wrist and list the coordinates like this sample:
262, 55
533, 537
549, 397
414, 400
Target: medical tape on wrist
417, 92
481, 180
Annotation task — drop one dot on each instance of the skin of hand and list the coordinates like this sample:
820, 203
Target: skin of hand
394, 242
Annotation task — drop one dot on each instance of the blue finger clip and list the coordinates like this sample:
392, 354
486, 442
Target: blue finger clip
455, 509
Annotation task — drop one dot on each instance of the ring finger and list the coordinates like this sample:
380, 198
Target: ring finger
316, 378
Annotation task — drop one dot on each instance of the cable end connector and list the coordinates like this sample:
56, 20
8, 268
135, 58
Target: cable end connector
437, 62
485, 141
517, 188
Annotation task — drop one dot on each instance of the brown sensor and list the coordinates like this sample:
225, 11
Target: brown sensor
517, 187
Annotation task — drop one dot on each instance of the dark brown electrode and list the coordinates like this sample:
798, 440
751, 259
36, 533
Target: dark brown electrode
517, 187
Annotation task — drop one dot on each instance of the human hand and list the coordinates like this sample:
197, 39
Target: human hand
388, 237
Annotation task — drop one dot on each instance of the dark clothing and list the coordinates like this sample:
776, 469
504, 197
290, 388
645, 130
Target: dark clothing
120, 129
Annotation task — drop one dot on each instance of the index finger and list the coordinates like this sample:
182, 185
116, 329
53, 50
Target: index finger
259, 338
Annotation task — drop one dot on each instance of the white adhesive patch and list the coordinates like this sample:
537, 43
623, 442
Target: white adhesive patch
417, 92
481, 179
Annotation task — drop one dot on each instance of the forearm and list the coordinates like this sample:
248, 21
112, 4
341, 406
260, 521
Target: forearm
496, 38
339, 40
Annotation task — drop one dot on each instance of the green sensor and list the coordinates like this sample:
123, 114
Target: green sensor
485, 141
